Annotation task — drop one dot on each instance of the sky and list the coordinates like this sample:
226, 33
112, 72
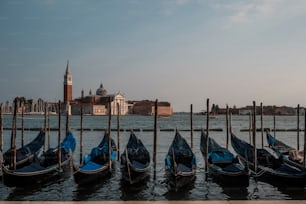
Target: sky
180, 51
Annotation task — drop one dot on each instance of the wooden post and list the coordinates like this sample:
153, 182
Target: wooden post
59, 137
254, 137
155, 137
22, 124
304, 153
81, 137
250, 127
48, 130
207, 135
191, 126
261, 126
274, 126
67, 118
298, 128
109, 132
14, 135
118, 131
230, 121
1, 130
45, 128
227, 126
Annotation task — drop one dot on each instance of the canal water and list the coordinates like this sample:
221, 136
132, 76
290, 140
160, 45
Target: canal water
112, 189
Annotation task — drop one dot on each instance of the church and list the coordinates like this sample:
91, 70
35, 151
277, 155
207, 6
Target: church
93, 104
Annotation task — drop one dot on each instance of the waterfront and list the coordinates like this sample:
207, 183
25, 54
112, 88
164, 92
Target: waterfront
113, 189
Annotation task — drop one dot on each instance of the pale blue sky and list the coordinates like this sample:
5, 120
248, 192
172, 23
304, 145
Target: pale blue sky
181, 51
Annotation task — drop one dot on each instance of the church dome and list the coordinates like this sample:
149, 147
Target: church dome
101, 91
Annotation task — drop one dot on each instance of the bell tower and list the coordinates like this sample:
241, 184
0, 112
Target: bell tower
67, 85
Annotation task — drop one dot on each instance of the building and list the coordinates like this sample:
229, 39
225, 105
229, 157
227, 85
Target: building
147, 107
67, 85
100, 103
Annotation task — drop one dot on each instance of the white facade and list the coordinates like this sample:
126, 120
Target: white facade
119, 102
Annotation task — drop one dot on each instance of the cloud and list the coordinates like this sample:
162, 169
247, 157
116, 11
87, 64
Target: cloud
248, 12
243, 12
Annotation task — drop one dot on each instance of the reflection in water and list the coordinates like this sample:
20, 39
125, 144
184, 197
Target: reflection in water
28, 192
182, 193
86, 192
134, 191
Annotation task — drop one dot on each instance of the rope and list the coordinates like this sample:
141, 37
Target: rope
260, 173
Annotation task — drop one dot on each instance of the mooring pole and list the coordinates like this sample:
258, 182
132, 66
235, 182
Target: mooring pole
304, 153
261, 125
1, 130
48, 130
254, 137
191, 126
81, 136
274, 124
14, 131
155, 137
45, 127
118, 131
22, 124
250, 127
67, 118
109, 133
59, 137
298, 128
230, 121
207, 136
227, 126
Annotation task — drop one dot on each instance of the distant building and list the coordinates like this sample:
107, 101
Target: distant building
98, 104
147, 107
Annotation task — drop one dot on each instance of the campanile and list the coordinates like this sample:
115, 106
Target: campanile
67, 85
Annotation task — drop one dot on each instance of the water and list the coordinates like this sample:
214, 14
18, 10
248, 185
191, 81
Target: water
113, 189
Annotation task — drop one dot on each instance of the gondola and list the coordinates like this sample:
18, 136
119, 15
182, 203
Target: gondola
135, 161
180, 163
270, 164
290, 155
278, 145
96, 165
44, 167
222, 164
25, 154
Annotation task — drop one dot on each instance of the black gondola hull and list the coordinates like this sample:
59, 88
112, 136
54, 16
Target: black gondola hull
84, 177
132, 176
226, 178
13, 178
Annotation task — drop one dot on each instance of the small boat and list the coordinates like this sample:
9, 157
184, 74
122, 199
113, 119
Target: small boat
222, 164
25, 154
135, 161
278, 145
44, 167
96, 165
270, 164
290, 155
180, 163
